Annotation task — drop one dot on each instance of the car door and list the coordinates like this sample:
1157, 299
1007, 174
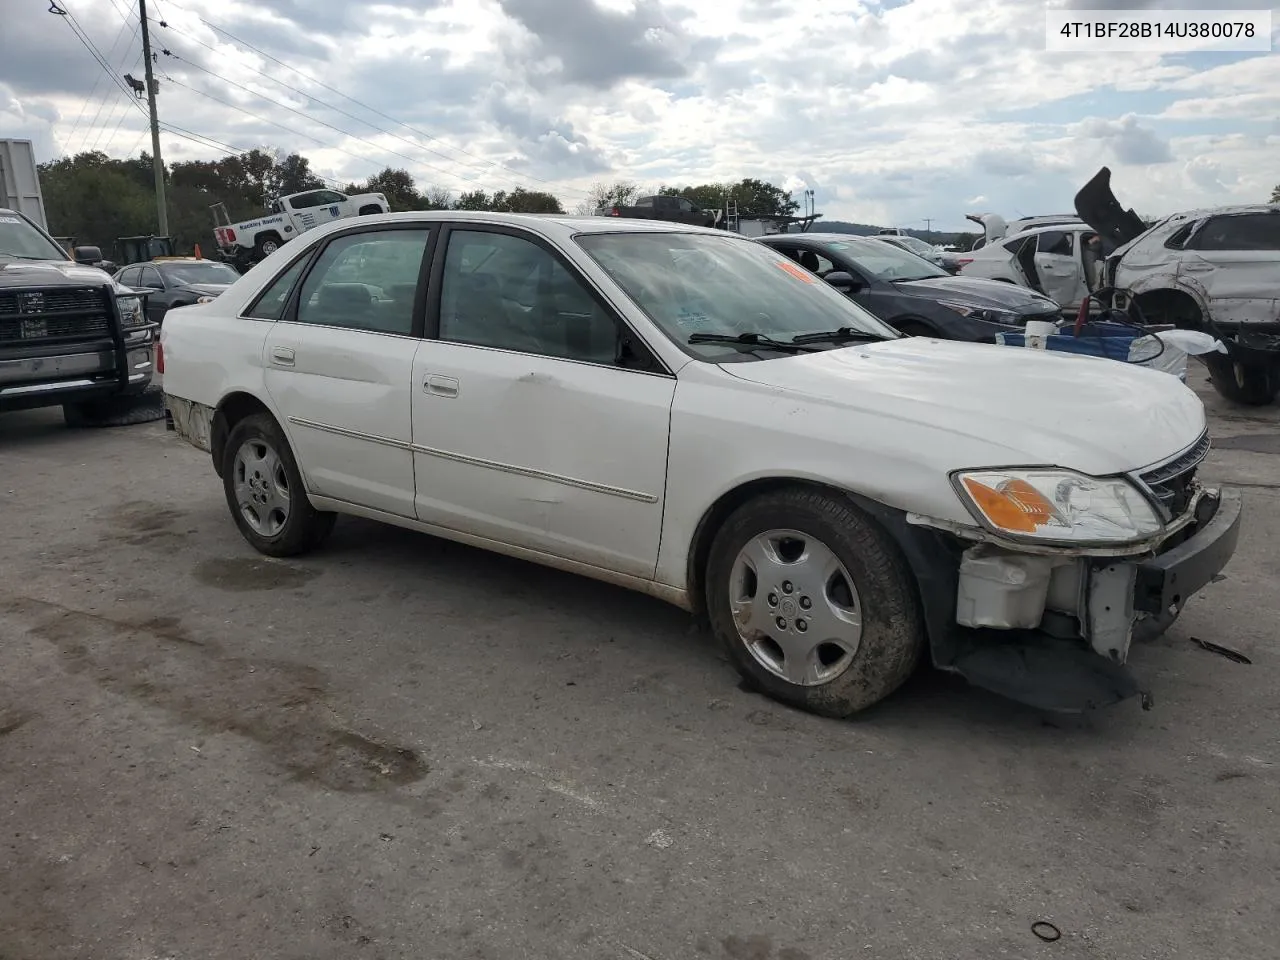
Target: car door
339, 364
1235, 258
1059, 267
532, 425
306, 212
159, 299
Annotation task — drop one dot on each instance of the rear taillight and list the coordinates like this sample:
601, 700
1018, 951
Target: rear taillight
963, 260
615, 212
159, 357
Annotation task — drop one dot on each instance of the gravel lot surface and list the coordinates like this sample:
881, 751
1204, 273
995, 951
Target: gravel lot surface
403, 748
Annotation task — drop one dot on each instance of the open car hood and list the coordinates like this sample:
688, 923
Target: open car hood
1097, 206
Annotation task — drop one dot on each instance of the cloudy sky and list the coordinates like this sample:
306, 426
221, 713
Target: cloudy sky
892, 111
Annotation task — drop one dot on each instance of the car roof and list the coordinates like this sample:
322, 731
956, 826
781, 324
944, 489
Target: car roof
558, 225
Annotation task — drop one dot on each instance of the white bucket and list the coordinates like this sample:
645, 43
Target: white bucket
1037, 333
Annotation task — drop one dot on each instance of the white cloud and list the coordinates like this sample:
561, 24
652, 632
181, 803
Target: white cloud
890, 115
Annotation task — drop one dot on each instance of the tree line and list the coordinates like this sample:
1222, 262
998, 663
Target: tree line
96, 199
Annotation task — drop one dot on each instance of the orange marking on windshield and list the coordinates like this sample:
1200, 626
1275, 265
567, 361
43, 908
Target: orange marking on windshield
795, 271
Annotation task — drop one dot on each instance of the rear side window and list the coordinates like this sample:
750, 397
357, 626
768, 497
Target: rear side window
1248, 231
270, 306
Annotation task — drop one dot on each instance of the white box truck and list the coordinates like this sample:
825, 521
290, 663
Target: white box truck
20, 182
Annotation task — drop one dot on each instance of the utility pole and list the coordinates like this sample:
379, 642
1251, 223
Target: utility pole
157, 164
928, 225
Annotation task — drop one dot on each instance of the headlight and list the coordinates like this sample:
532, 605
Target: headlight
1057, 506
1008, 318
205, 299
131, 312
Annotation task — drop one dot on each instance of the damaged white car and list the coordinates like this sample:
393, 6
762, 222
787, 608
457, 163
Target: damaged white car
690, 414
1058, 260
1216, 270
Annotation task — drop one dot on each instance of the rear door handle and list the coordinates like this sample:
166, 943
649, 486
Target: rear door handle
441, 386
282, 356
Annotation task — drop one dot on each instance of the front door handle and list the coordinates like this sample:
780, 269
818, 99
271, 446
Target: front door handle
441, 386
283, 356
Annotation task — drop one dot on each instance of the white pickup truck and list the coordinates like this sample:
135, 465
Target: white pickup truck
249, 241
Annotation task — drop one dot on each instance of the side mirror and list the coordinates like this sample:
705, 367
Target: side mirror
844, 282
87, 255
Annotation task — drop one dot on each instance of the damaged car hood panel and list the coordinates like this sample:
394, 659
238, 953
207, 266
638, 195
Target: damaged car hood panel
1018, 406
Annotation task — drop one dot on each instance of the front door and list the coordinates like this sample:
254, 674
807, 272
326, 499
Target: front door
339, 367
527, 427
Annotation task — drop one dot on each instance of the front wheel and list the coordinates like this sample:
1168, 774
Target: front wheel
266, 246
814, 603
265, 492
1252, 385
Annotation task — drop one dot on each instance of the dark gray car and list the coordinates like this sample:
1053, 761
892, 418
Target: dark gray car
912, 294
177, 282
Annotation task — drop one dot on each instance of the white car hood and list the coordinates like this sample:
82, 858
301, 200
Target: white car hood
1002, 406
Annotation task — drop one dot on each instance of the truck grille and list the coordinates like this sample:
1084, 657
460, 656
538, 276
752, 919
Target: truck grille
1173, 483
49, 315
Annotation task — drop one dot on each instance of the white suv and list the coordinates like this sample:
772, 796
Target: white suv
685, 412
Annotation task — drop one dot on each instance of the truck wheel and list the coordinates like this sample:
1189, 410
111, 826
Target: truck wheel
1252, 385
265, 492
266, 246
145, 407
813, 602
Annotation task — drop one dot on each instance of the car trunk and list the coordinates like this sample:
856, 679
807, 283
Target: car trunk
1097, 206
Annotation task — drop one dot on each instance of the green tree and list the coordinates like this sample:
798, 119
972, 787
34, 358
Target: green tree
1275, 194
620, 193
473, 200
292, 175
397, 185
752, 196
521, 200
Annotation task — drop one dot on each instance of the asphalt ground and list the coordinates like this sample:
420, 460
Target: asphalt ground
401, 747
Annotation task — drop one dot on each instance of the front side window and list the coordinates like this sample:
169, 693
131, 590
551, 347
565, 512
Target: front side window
329, 196
691, 283
366, 281
151, 278
507, 292
1246, 232
304, 201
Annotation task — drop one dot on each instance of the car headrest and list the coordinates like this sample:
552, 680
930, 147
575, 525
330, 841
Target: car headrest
337, 296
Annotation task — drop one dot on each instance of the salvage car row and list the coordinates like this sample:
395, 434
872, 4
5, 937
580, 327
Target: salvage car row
707, 419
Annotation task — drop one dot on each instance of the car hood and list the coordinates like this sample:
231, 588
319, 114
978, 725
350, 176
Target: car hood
1097, 206
956, 405
991, 294
50, 273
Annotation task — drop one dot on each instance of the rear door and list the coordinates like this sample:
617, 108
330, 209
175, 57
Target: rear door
1058, 267
1235, 258
339, 364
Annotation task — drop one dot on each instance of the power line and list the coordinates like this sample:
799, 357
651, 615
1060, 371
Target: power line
93, 51
308, 117
373, 110
93, 93
125, 112
328, 106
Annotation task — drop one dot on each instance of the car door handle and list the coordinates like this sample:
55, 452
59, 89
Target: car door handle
282, 356
441, 386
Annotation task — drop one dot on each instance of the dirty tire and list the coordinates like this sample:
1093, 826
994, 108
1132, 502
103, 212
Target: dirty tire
145, 407
1153, 627
305, 527
893, 636
1248, 385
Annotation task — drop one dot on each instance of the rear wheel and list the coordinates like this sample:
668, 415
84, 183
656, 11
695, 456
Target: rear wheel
813, 602
1251, 385
266, 246
265, 493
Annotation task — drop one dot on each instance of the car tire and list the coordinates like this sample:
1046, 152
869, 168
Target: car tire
800, 560
265, 492
267, 245
1251, 385
126, 411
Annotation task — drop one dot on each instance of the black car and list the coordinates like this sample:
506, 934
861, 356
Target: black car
177, 282
912, 294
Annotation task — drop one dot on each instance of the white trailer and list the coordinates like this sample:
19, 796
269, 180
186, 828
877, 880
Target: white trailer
20, 182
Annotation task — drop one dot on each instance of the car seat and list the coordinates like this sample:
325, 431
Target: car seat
809, 260
345, 304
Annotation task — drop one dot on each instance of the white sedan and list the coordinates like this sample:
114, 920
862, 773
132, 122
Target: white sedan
1059, 261
688, 413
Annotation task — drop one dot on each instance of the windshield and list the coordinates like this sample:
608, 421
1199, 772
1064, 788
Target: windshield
200, 273
884, 260
691, 283
914, 245
22, 239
